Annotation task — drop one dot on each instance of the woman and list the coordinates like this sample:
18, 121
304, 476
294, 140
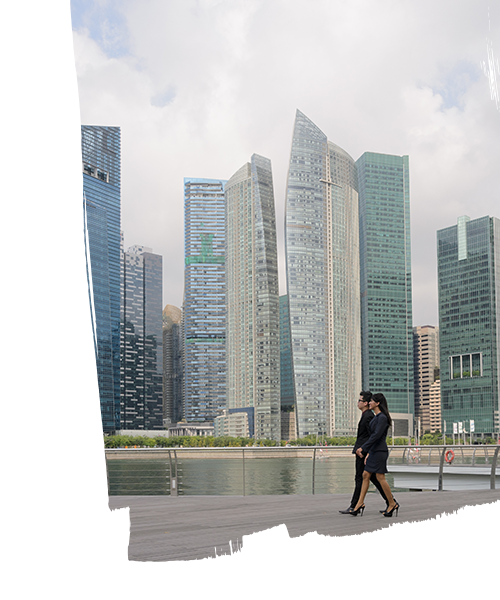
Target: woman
377, 453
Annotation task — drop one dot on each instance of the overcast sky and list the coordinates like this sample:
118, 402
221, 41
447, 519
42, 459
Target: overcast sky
198, 86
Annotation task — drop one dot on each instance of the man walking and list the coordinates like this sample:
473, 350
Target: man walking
362, 437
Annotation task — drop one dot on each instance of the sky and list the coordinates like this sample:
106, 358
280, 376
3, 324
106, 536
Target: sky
198, 86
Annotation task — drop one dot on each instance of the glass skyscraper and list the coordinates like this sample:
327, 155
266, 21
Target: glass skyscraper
142, 340
253, 346
322, 265
386, 300
101, 191
172, 364
204, 310
469, 323
286, 364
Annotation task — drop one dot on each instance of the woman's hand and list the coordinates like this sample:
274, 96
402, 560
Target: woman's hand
367, 457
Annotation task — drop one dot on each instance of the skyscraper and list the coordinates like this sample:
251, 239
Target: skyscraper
286, 364
253, 351
426, 371
469, 323
101, 191
322, 266
386, 301
172, 364
204, 311
142, 340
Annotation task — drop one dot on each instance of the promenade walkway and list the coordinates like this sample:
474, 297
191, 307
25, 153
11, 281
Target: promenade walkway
167, 528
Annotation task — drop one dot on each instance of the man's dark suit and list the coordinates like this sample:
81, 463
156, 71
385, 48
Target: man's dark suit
362, 437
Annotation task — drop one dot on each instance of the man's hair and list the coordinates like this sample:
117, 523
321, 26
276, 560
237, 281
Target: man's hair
366, 396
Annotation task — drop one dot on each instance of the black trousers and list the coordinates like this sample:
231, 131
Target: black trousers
358, 478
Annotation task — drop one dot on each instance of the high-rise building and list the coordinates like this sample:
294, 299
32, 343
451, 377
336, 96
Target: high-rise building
386, 301
286, 365
253, 346
142, 340
322, 266
426, 371
435, 407
172, 364
469, 323
204, 310
101, 192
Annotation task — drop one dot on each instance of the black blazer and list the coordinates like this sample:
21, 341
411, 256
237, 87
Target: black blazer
363, 429
378, 433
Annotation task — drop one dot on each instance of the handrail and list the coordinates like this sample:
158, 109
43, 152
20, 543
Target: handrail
405, 452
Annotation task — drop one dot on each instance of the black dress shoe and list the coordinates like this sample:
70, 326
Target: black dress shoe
387, 506
348, 511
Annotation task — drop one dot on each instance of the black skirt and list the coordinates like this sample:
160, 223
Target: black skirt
377, 462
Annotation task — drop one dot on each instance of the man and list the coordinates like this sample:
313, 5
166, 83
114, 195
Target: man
362, 437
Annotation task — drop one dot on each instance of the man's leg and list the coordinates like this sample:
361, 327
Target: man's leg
358, 479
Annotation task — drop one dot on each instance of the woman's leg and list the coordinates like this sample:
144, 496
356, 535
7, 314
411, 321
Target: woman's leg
364, 489
387, 490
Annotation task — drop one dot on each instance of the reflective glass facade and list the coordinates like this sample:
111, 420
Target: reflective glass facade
286, 366
253, 350
101, 189
469, 321
204, 312
142, 341
322, 256
385, 260
97, 256
172, 364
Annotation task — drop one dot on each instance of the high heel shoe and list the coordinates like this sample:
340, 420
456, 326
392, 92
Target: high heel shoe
389, 513
355, 513
387, 506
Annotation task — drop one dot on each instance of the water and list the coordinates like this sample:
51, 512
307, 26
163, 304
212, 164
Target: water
224, 476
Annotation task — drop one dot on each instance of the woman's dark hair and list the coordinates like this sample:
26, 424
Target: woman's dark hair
382, 404
367, 396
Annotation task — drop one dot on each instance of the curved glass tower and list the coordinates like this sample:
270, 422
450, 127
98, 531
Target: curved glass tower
252, 337
322, 265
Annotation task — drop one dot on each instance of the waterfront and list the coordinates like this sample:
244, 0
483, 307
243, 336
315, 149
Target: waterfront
225, 476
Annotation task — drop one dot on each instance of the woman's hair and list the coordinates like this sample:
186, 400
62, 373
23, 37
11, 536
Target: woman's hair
366, 396
382, 404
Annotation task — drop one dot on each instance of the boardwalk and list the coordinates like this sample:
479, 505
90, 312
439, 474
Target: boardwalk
191, 527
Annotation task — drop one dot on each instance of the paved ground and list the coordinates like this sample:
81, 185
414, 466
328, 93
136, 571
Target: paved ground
191, 527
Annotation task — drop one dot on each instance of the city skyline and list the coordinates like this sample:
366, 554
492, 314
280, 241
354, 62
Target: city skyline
438, 109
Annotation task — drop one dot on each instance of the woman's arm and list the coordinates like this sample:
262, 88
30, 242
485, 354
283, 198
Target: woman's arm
378, 433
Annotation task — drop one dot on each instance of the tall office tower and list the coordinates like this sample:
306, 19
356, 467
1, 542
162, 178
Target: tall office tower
425, 371
322, 265
386, 303
253, 346
435, 406
204, 310
101, 192
286, 365
469, 323
172, 365
142, 340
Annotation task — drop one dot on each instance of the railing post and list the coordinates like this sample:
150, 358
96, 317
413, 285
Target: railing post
243, 449
173, 474
441, 464
493, 468
314, 467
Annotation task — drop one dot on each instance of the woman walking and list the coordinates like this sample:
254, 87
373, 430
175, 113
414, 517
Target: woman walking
377, 453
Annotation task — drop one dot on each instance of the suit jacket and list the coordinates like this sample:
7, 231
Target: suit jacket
378, 434
363, 429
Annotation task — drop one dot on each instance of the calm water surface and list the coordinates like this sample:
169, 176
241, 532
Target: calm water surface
218, 477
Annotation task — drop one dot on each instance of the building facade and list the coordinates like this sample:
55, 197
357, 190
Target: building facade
386, 298
435, 407
172, 365
426, 371
286, 364
102, 213
142, 340
469, 323
322, 267
253, 346
204, 310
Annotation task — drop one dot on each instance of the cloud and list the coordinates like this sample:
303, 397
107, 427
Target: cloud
204, 85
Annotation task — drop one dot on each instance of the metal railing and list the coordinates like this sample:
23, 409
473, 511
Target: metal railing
331, 468
451, 456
